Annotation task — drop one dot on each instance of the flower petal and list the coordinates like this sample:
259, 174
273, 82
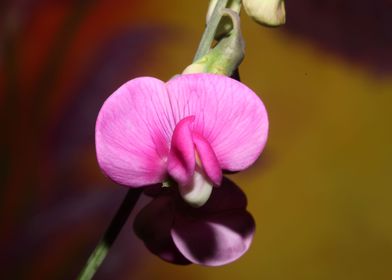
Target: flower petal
228, 197
214, 240
153, 223
198, 190
181, 163
229, 115
208, 159
133, 129
219, 232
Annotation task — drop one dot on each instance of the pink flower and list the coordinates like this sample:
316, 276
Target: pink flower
217, 233
188, 129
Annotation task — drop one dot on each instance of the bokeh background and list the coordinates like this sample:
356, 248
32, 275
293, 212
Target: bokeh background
321, 193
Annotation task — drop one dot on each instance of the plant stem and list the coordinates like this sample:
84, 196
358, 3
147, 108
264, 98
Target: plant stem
118, 221
209, 32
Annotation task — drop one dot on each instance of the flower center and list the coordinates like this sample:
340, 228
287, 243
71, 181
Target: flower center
193, 163
198, 190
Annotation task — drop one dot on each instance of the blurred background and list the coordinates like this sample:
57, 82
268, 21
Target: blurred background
321, 193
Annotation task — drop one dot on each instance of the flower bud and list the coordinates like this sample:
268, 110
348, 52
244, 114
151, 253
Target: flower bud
266, 12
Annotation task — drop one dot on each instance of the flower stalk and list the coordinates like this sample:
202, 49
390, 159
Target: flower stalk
227, 55
209, 33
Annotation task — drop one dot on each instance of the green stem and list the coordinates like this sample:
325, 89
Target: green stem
118, 221
209, 32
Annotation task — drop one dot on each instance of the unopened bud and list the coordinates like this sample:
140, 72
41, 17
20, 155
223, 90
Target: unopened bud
266, 12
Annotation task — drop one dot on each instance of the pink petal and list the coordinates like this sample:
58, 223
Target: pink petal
193, 186
181, 163
229, 115
153, 223
133, 132
214, 240
208, 159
